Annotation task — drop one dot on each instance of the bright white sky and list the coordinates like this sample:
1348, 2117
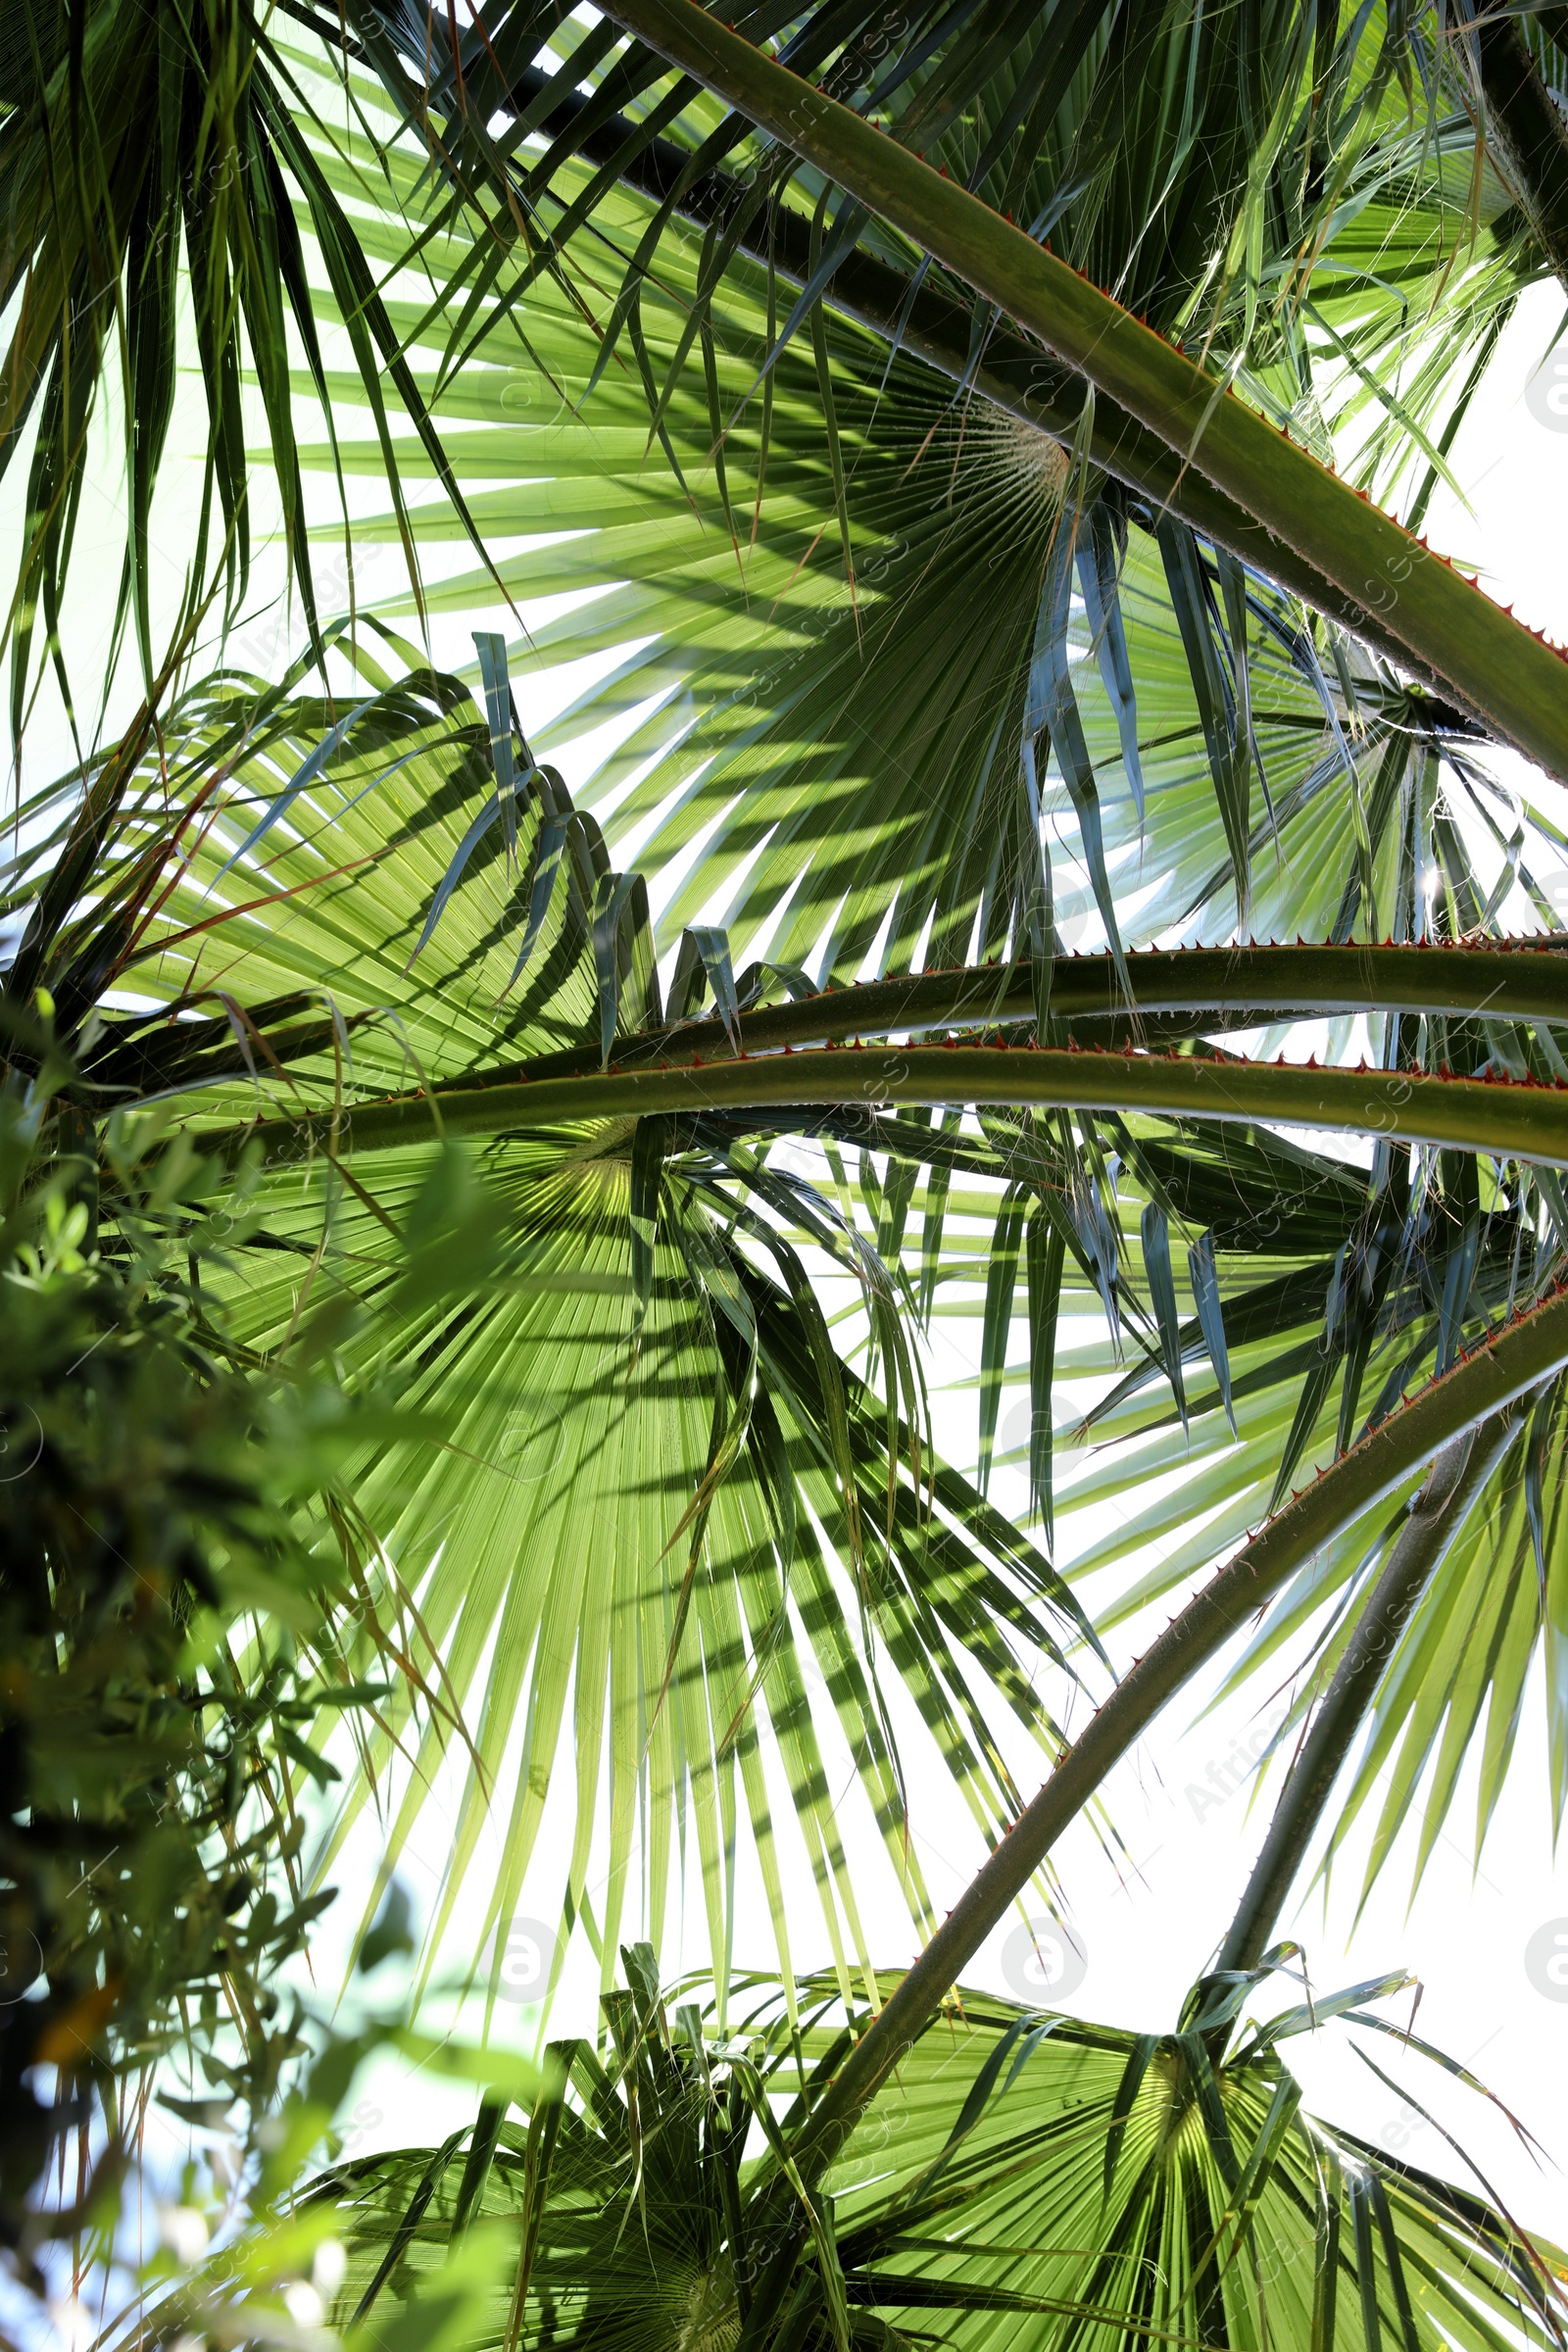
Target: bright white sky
1147, 1933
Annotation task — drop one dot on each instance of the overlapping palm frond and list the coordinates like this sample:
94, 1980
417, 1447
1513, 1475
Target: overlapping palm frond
1031, 2181
887, 681
925, 662
650, 1497
812, 699
1369, 797
1204, 673
807, 598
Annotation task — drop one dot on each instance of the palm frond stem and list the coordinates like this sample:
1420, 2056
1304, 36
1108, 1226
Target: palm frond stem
1513, 1119
1459, 1476
1522, 981
1176, 994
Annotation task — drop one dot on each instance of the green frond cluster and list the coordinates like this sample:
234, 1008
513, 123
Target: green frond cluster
930, 462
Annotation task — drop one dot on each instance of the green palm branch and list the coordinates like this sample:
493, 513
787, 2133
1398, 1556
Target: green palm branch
1031, 2181
159, 180
963, 602
637, 1417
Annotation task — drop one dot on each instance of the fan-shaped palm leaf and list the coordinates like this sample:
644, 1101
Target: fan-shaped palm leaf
651, 1487
1030, 2180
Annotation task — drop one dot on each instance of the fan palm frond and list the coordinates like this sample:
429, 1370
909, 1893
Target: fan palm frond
629, 1411
1031, 2179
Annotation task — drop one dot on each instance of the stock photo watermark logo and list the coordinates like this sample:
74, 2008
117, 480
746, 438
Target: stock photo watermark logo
533, 1440
20, 1963
262, 644
1016, 1427
365, 2119
1225, 1774
20, 1443
1073, 929
1546, 391
1403, 2127
1546, 1960
527, 1957
1043, 1961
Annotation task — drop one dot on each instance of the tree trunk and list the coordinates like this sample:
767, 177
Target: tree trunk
1529, 138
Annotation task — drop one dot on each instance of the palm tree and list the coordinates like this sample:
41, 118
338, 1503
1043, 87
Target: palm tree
932, 414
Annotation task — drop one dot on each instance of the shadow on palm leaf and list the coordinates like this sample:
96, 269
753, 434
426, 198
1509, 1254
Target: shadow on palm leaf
651, 1268
625, 1401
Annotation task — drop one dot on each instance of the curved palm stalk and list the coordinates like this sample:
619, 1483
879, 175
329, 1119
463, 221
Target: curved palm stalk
1459, 1475
1527, 134
1213, 987
1253, 986
1496, 668
1505, 1368
1520, 1119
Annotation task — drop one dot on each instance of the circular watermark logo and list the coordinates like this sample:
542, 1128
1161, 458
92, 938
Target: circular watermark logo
1018, 1426
528, 1956
20, 1443
360, 2125
535, 1436
1043, 1961
813, 1673
20, 1963
1546, 392
1073, 929
809, 1668
1546, 1960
